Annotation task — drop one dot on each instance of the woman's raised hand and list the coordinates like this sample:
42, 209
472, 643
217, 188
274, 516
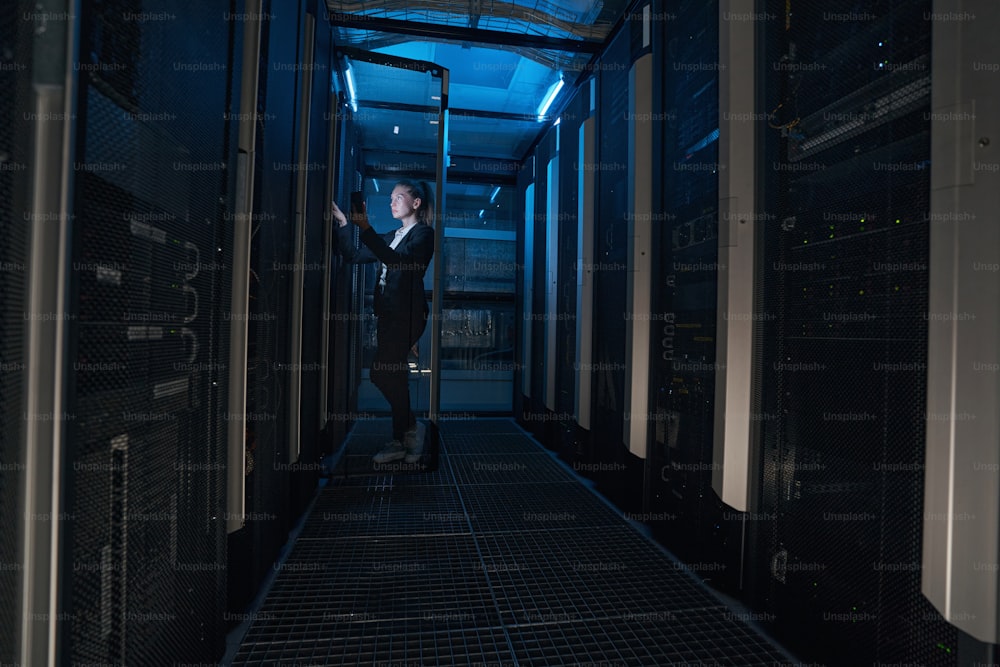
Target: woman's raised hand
359, 218
338, 215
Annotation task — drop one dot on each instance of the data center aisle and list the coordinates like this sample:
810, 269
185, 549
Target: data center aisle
501, 557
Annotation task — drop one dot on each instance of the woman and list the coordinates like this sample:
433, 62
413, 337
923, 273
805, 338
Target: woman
399, 305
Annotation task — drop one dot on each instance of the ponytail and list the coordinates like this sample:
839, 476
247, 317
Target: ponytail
428, 205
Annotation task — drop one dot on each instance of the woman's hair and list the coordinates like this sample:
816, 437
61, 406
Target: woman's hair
422, 191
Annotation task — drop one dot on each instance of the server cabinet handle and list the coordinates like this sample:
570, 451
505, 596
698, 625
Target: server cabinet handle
187, 289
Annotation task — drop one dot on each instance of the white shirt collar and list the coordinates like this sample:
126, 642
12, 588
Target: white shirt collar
400, 233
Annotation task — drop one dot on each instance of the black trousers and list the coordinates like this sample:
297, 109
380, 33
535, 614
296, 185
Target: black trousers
390, 370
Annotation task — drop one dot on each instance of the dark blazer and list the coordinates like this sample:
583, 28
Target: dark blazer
403, 296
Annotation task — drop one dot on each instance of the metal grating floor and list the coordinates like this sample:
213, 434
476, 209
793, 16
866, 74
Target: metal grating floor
501, 557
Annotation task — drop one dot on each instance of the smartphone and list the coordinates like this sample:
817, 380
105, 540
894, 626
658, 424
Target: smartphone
357, 202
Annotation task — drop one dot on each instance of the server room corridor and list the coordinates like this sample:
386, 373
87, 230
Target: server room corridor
709, 370
503, 556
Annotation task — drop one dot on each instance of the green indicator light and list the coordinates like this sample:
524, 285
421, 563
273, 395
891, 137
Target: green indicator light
831, 226
861, 291
896, 288
897, 221
862, 219
831, 236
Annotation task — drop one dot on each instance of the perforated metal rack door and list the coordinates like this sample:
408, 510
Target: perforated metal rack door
146, 568
15, 61
567, 374
271, 261
684, 340
611, 246
845, 292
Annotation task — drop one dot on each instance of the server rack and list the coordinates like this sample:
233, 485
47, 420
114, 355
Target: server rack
960, 526
336, 405
16, 60
346, 338
253, 547
524, 290
534, 415
144, 565
610, 282
844, 373
546, 276
549, 295
283, 346
554, 327
314, 74
562, 434
686, 513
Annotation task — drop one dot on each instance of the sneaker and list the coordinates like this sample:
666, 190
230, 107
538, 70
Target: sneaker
414, 443
393, 452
